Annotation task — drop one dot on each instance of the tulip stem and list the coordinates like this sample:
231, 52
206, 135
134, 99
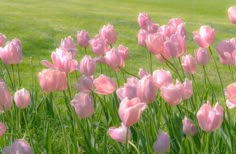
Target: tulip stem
68, 85
9, 75
181, 67
136, 149
150, 61
18, 73
126, 140
231, 72
123, 70
13, 76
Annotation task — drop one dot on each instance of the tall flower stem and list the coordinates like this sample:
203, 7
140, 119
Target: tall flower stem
68, 85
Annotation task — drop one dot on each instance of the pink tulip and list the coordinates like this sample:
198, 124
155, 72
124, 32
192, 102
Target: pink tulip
62, 60
142, 73
162, 78
129, 89
124, 51
85, 84
146, 89
130, 111
154, 43
83, 38
108, 34
152, 27
119, 134
97, 45
188, 64
232, 14
2, 39
5, 101
114, 59
176, 25
142, 35
202, 56
83, 105
205, 36
188, 127
52, 80
104, 85
172, 94
162, 143
68, 45
209, 118
12, 52
19, 146
186, 89
3, 129
87, 66
22, 98
143, 20
230, 93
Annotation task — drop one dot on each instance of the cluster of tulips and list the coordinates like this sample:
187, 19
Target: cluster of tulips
165, 42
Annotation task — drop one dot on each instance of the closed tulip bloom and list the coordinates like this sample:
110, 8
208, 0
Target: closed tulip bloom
205, 36
232, 14
146, 89
209, 118
162, 143
172, 94
155, 43
3, 129
97, 45
85, 84
83, 105
124, 51
87, 66
188, 64
162, 77
129, 89
83, 38
22, 98
152, 27
114, 59
104, 85
188, 127
142, 35
142, 73
12, 52
19, 146
202, 56
187, 89
68, 45
230, 93
119, 134
5, 101
108, 34
2, 39
143, 20
130, 110
52, 80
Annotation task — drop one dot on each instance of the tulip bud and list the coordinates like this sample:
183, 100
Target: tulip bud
188, 127
108, 34
68, 45
19, 146
5, 101
205, 36
22, 98
232, 14
202, 56
119, 134
83, 38
188, 64
162, 143
87, 66
162, 77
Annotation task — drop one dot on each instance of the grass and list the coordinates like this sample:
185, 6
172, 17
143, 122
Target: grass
41, 25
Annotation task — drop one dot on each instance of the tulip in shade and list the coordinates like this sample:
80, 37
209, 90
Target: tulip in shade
162, 77
83, 38
12, 52
108, 34
188, 64
104, 85
68, 45
130, 110
162, 143
83, 105
87, 66
2, 39
5, 101
129, 89
232, 14
205, 36
230, 93
114, 59
188, 127
85, 84
119, 134
3, 129
52, 80
209, 118
19, 146
202, 56
22, 98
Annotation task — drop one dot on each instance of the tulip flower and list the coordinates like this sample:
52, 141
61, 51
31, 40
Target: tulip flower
162, 77
205, 36
230, 93
232, 14
142, 73
188, 127
104, 85
3, 129
142, 35
124, 51
188, 64
97, 45
12, 52
83, 105
108, 34
209, 118
22, 98
5, 101
114, 59
2, 39
130, 110
202, 56
83, 38
129, 89
143, 20
119, 134
19, 146
68, 45
162, 143
186, 89
87, 66
155, 43
85, 84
